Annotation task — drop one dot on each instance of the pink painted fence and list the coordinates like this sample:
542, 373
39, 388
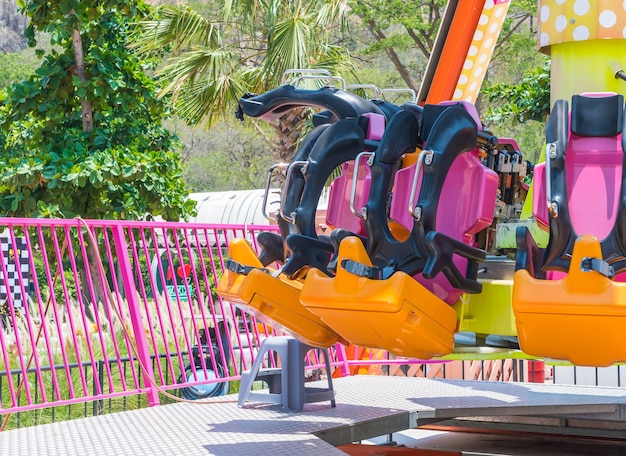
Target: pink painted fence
94, 311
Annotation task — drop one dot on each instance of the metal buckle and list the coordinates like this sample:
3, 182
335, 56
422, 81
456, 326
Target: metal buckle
371, 272
598, 265
241, 269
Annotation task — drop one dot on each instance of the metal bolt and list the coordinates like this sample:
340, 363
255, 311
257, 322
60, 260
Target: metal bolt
428, 159
554, 209
552, 150
417, 214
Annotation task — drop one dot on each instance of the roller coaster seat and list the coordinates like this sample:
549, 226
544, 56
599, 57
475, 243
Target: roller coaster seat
374, 300
593, 167
579, 313
338, 214
343, 106
466, 204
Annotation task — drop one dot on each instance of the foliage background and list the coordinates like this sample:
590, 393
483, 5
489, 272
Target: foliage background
123, 166
231, 155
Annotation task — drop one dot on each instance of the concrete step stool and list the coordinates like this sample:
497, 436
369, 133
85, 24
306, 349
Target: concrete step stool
286, 383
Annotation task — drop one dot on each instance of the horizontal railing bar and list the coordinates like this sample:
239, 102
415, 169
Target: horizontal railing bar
46, 222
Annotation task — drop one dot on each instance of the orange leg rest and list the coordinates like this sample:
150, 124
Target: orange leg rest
397, 314
580, 318
274, 300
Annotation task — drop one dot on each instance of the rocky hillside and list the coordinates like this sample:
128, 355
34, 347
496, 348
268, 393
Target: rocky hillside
12, 25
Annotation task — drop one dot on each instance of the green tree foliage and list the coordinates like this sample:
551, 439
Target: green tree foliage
520, 110
87, 141
16, 66
528, 100
241, 46
226, 157
405, 33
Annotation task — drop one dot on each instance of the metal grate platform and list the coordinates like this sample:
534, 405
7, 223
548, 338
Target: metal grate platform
367, 406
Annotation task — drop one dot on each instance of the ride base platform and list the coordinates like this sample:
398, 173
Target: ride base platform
367, 406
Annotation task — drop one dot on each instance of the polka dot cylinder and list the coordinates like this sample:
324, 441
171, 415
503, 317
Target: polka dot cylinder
585, 39
579, 20
481, 50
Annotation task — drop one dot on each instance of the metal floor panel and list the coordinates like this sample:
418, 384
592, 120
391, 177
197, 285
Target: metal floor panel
367, 406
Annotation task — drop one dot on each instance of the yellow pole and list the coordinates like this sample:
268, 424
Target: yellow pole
584, 38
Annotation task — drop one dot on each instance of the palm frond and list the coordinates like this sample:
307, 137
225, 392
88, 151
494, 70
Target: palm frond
205, 83
178, 26
333, 58
206, 100
195, 65
288, 48
261, 39
330, 12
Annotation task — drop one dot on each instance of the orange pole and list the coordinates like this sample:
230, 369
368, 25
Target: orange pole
454, 52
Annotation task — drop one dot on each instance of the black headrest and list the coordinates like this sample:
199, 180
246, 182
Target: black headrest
597, 117
388, 108
430, 115
418, 112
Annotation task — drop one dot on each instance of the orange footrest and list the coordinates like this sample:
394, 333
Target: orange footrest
274, 300
580, 318
397, 314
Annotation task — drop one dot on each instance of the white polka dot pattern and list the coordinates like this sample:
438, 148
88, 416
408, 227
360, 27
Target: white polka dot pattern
481, 49
578, 20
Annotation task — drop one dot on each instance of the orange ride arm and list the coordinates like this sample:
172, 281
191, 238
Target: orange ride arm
458, 39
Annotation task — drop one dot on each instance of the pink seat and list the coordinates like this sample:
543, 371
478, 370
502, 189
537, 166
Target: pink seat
375, 126
586, 180
566, 295
593, 168
466, 206
339, 214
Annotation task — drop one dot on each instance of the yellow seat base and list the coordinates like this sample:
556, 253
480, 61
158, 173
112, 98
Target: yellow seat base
490, 311
274, 300
398, 314
580, 318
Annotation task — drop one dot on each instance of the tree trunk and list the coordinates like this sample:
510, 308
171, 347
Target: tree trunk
289, 129
395, 59
79, 61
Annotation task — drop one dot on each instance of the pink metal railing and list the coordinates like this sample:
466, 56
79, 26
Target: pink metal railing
96, 294
95, 310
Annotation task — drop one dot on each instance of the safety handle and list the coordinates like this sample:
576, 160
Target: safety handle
550, 154
355, 178
270, 174
618, 71
418, 167
302, 165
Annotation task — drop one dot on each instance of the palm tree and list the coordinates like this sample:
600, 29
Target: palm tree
213, 61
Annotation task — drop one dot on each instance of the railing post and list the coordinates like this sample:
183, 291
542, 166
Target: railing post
132, 299
98, 406
342, 357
